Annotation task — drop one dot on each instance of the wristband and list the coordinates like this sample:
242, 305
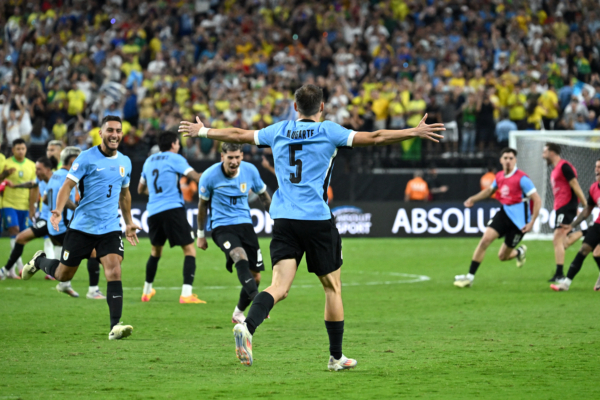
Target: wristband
203, 132
200, 234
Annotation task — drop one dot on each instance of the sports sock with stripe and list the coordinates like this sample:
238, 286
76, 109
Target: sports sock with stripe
246, 279
335, 330
260, 309
114, 298
189, 269
244, 300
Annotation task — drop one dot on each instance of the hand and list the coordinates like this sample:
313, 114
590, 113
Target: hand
528, 227
202, 243
9, 183
428, 132
55, 219
444, 189
265, 163
131, 235
469, 203
32, 216
190, 129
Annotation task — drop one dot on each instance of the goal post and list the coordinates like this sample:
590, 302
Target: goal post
580, 148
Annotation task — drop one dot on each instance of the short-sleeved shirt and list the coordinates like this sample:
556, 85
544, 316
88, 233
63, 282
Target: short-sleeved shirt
2, 162
304, 153
417, 189
161, 173
44, 212
229, 196
24, 172
519, 211
100, 179
52, 188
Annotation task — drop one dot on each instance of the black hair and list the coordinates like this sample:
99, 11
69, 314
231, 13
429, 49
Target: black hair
18, 141
308, 99
553, 147
166, 140
508, 150
230, 147
109, 118
50, 163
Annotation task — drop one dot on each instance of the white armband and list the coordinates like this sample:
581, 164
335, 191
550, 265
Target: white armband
203, 132
200, 234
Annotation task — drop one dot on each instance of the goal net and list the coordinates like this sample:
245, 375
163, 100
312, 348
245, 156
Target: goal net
580, 148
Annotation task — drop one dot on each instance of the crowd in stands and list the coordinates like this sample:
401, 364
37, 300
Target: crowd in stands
481, 67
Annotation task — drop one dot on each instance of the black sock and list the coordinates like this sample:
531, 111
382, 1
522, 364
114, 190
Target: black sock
575, 266
244, 300
151, 267
260, 309
47, 265
246, 279
335, 330
597, 259
93, 271
16, 252
559, 270
114, 298
474, 266
189, 269
584, 232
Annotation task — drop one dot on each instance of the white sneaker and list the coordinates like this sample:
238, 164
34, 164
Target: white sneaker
462, 281
67, 289
8, 274
120, 331
96, 295
342, 363
243, 344
238, 317
30, 269
522, 256
2, 274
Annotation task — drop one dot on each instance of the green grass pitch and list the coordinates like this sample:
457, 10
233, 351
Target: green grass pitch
507, 337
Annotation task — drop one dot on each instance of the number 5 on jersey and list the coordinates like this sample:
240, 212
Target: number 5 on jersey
297, 177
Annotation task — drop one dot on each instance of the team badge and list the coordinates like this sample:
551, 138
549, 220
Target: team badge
202, 189
65, 255
20, 174
243, 187
75, 166
227, 245
122, 171
505, 191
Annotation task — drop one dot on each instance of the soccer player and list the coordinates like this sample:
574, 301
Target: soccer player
18, 204
103, 176
166, 214
513, 220
304, 152
591, 239
566, 191
224, 187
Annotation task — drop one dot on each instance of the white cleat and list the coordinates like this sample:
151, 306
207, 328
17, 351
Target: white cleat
65, 287
238, 318
522, 256
597, 285
561, 287
8, 274
243, 344
30, 269
2, 274
97, 295
342, 363
462, 281
120, 331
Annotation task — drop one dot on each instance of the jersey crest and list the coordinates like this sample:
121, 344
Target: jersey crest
243, 187
122, 171
20, 174
65, 255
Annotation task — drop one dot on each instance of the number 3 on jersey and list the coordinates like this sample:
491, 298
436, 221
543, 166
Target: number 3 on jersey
297, 177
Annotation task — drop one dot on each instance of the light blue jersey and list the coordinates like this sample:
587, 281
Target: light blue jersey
229, 196
100, 179
52, 188
304, 152
161, 173
45, 211
519, 213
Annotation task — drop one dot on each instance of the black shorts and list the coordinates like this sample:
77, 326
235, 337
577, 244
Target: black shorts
79, 245
506, 228
565, 215
320, 240
592, 236
40, 228
242, 235
60, 239
170, 224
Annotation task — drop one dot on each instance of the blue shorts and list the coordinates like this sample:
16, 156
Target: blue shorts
12, 217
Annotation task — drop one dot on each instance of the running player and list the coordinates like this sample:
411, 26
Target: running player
166, 214
591, 239
224, 188
566, 191
513, 220
103, 175
304, 153
18, 204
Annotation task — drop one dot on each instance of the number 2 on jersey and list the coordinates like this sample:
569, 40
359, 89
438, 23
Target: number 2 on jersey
157, 189
297, 177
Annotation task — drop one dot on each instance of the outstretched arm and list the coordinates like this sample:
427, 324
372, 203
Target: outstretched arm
26, 185
385, 137
484, 194
581, 217
231, 135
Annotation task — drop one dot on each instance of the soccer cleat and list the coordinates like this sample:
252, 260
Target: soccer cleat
120, 331
521, 256
597, 285
8, 274
238, 318
30, 269
49, 278
147, 297
561, 287
96, 295
462, 281
243, 344
2, 274
67, 289
556, 278
192, 299
342, 363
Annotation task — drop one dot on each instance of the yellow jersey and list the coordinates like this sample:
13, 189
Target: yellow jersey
24, 172
2, 162
94, 133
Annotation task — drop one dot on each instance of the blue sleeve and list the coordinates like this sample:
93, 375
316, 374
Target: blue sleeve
79, 169
127, 173
265, 136
258, 186
338, 135
180, 165
527, 186
494, 185
205, 191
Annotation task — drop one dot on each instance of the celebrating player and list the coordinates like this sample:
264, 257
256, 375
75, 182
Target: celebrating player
224, 188
591, 239
566, 191
513, 220
304, 152
103, 175
166, 213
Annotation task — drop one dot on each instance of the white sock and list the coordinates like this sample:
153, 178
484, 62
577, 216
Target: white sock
186, 290
93, 289
567, 282
49, 249
237, 310
57, 252
470, 276
147, 288
64, 284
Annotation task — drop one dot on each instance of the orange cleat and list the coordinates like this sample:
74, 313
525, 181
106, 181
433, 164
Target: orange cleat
193, 299
147, 297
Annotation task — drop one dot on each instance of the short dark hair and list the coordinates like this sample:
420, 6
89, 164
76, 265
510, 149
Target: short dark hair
166, 140
18, 141
553, 147
508, 150
109, 118
308, 99
49, 163
230, 147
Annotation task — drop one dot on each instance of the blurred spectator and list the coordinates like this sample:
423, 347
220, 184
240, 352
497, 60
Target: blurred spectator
416, 188
189, 188
503, 128
469, 118
488, 178
448, 113
59, 130
433, 183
